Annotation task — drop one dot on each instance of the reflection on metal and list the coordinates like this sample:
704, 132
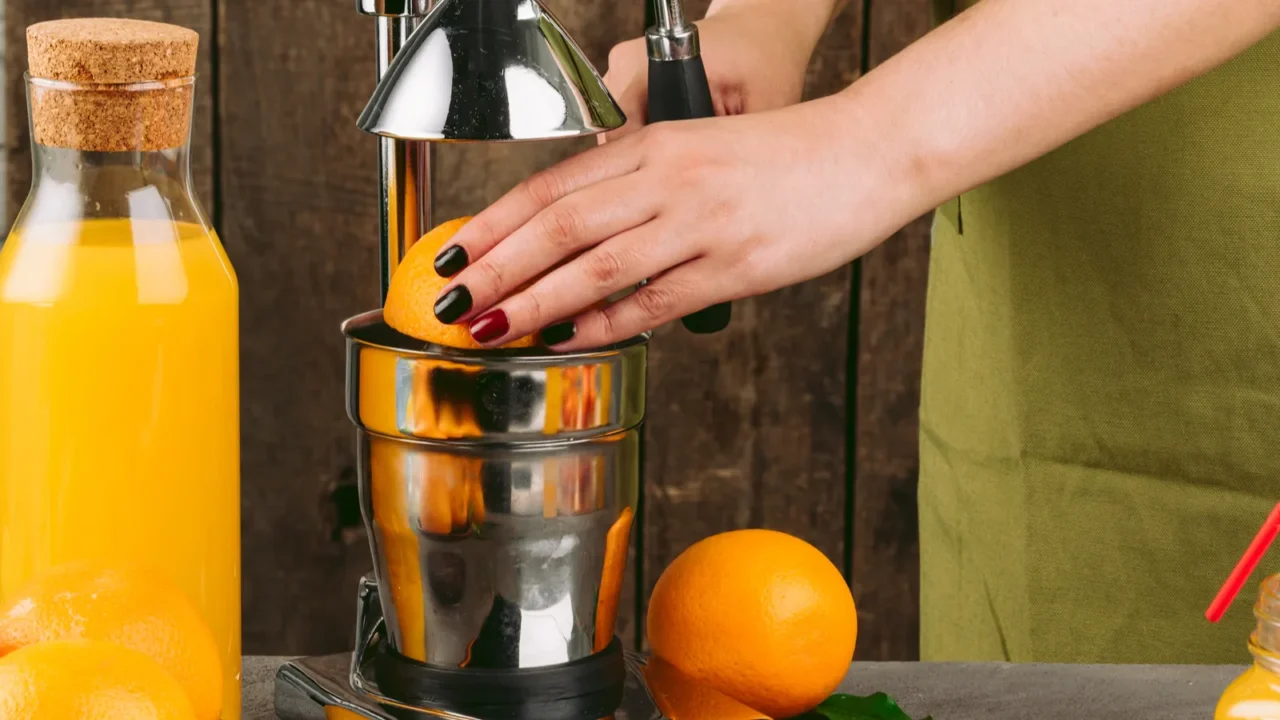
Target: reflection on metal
399, 387
497, 559
393, 8
497, 488
306, 688
404, 167
490, 70
671, 37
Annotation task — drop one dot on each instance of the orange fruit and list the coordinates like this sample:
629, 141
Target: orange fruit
681, 698
411, 298
83, 679
760, 616
126, 607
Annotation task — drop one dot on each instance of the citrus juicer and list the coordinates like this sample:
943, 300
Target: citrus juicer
499, 488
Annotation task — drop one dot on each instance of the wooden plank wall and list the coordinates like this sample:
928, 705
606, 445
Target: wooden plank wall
890, 333
761, 426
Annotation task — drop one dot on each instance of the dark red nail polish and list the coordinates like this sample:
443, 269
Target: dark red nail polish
490, 326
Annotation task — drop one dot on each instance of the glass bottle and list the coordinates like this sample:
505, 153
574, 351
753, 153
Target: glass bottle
119, 359
1255, 695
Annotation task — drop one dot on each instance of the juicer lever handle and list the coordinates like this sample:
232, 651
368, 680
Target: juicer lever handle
678, 90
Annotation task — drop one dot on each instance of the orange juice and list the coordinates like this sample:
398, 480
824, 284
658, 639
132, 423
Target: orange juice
119, 405
1255, 695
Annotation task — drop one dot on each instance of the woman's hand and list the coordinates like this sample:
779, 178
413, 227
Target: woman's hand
755, 52
708, 211
717, 209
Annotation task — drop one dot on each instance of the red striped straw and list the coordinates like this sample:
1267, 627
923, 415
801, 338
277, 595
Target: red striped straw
1245, 567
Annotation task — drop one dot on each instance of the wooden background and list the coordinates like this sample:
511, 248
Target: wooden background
801, 417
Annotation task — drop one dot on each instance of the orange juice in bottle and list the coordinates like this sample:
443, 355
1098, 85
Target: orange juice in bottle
119, 379
1255, 695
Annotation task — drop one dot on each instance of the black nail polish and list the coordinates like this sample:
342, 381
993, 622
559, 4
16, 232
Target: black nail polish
453, 305
451, 261
558, 333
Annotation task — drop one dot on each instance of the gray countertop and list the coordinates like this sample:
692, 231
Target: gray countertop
977, 691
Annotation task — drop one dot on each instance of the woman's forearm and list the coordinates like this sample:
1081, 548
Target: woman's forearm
1010, 80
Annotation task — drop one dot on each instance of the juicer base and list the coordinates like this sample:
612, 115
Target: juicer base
308, 688
377, 683
590, 687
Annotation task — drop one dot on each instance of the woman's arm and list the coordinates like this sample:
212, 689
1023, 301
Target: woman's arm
1010, 80
718, 209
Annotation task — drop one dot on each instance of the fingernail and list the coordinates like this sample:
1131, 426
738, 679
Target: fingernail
558, 333
490, 326
451, 260
453, 305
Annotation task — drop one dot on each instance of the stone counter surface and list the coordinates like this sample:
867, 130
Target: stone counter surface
976, 691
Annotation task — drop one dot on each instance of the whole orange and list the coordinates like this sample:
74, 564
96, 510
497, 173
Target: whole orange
128, 607
681, 698
411, 298
760, 616
84, 679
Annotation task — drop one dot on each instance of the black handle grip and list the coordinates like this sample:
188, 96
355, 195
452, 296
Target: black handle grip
678, 90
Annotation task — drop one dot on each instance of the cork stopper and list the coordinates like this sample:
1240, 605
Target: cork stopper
111, 85
110, 51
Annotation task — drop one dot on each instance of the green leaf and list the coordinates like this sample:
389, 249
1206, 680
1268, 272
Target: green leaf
852, 707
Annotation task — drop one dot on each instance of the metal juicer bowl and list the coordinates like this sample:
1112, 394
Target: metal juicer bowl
498, 489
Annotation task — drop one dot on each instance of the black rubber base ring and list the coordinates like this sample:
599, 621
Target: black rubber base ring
586, 689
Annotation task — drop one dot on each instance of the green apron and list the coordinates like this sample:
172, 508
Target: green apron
1100, 413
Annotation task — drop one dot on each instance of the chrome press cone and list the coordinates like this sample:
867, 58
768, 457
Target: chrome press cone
490, 70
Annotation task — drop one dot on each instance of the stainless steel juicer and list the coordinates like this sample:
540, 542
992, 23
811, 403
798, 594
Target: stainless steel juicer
499, 488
